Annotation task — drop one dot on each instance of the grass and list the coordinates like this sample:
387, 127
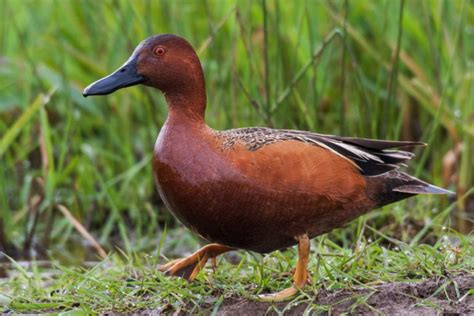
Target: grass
359, 256
130, 283
385, 69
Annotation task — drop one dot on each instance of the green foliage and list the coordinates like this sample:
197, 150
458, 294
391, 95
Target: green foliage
383, 69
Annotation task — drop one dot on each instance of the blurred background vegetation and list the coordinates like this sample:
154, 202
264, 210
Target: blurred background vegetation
71, 166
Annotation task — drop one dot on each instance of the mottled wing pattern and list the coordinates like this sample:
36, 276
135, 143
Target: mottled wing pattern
372, 157
252, 137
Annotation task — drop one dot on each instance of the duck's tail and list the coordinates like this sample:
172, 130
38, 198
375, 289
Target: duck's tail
395, 185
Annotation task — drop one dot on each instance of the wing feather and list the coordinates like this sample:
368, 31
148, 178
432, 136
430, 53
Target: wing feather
371, 156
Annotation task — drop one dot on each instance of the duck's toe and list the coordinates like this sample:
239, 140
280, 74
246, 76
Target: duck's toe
189, 267
279, 296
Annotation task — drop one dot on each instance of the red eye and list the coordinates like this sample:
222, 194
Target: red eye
159, 51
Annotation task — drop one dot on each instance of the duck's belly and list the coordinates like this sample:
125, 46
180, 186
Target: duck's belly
230, 209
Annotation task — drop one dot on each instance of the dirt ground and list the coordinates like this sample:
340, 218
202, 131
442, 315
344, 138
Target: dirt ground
421, 298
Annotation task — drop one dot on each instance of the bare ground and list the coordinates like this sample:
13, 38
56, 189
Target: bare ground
442, 296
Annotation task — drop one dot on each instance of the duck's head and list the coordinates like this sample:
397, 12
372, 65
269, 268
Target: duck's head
166, 62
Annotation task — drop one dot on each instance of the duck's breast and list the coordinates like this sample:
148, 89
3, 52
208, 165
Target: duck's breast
192, 177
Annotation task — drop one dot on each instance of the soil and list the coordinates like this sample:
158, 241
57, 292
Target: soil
442, 296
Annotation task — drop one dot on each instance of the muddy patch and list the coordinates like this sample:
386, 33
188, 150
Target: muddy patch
447, 296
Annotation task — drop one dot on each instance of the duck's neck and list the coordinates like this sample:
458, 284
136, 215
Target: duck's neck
183, 108
187, 103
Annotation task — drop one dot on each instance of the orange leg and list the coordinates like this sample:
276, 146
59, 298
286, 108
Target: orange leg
300, 277
190, 266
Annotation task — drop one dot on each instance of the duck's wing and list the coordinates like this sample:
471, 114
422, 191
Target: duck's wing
372, 157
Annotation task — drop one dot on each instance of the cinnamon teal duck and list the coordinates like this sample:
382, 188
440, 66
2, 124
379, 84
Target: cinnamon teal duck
256, 188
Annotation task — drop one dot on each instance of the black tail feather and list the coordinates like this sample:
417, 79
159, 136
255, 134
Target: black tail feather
422, 189
395, 185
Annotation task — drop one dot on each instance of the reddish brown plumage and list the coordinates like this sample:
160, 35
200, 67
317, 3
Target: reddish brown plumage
256, 200
255, 189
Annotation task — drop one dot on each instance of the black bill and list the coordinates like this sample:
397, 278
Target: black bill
125, 76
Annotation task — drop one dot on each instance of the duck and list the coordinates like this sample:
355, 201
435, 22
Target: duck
257, 188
